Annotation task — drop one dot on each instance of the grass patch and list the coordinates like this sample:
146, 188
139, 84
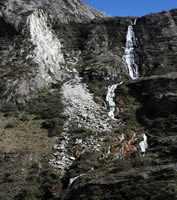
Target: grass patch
49, 108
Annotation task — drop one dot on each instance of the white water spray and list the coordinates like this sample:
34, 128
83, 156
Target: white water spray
134, 23
110, 99
71, 180
122, 137
68, 189
143, 145
47, 52
10, 4
129, 55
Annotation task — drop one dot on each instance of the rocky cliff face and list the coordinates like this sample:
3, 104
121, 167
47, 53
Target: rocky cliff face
70, 109
25, 47
156, 34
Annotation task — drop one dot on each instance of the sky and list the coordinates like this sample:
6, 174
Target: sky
131, 7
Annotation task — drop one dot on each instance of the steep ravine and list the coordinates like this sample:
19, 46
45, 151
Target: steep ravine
82, 117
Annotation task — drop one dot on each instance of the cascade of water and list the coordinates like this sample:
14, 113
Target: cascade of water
10, 4
71, 180
47, 52
129, 54
110, 99
143, 145
134, 23
122, 137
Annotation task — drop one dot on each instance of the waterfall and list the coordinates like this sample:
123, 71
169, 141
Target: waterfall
110, 99
122, 137
10, 4
47, 53
143, 145
71, 180
68, 189
129, 54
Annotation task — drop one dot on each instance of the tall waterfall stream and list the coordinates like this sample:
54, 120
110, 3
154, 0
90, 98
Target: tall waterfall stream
130, 66
132, 69
129, 54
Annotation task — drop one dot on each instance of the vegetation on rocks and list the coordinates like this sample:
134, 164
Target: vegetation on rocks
49, 108
103, 154
26, 146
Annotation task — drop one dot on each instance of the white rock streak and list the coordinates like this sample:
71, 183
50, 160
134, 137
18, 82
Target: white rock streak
61, 159
129, 55
79, 104
81, 108
47, 52
110, 99
48, 55
143, 145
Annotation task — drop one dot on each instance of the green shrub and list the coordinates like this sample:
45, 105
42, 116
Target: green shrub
24, 117
10, 125
54, 126
9, 109
49, 107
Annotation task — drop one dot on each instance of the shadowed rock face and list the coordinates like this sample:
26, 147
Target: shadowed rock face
7, 30
158, 97
53, 55
157, 38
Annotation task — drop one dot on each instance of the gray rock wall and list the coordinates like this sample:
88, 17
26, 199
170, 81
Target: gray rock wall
157, 42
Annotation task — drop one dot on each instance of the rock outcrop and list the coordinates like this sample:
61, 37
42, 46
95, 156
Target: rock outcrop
33, 56
156, 35
62, 11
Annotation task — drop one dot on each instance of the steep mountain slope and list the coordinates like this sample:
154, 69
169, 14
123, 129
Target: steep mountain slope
20, 20
64, 11
88, 103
